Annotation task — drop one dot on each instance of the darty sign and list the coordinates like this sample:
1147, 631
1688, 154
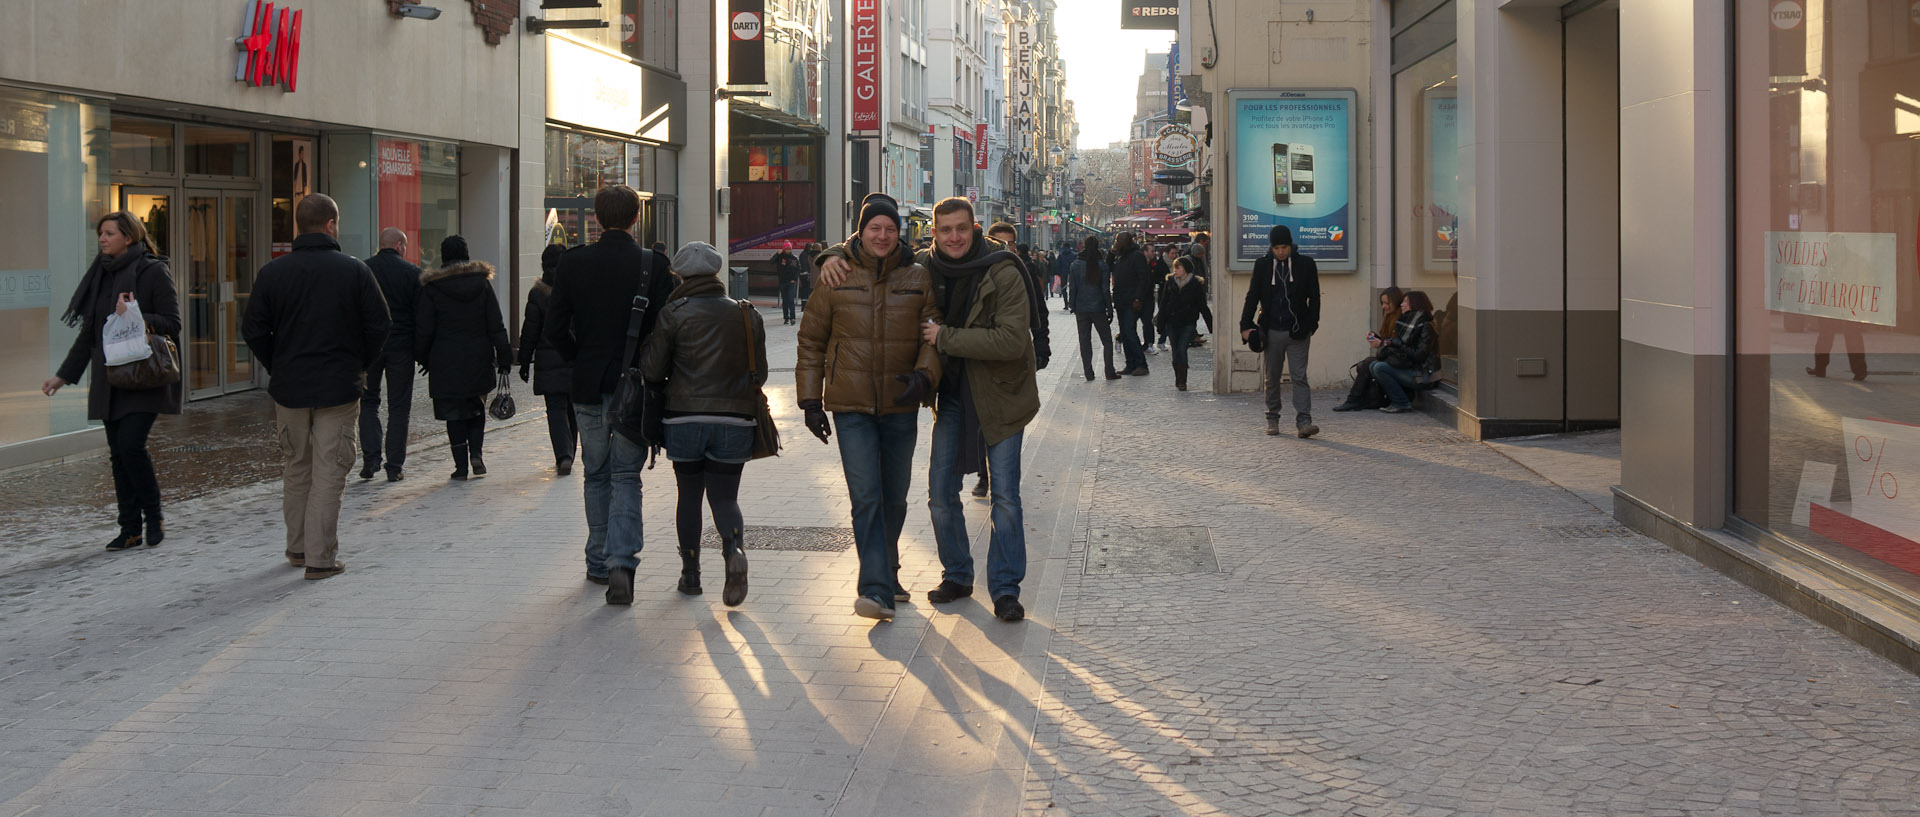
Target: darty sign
1843, 276
864, 111
270, 47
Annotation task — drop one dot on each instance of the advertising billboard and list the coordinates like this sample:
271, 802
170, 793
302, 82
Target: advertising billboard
1293, 164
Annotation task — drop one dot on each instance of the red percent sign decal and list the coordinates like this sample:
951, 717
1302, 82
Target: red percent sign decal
1888, 484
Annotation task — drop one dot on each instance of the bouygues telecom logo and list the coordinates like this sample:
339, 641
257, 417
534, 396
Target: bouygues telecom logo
1336, 232
269, 47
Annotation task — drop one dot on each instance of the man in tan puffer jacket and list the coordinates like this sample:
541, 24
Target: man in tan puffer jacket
861, 357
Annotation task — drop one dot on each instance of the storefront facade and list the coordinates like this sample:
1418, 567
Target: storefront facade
211, 147
1710, 237
615, 115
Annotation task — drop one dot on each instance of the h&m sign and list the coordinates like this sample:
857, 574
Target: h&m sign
269, 47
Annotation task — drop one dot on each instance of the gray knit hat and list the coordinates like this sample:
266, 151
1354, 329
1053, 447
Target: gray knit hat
696, 258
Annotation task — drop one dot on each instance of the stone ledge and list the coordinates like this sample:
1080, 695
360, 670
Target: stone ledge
1889, 630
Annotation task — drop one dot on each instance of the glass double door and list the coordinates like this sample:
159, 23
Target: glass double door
209, 238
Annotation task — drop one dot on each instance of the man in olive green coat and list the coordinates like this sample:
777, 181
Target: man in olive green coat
986, 398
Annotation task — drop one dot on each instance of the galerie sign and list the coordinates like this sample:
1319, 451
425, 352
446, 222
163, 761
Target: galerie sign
1843, 276
864, 109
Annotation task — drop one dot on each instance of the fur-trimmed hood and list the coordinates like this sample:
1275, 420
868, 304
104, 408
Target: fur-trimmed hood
463, 281
455, 270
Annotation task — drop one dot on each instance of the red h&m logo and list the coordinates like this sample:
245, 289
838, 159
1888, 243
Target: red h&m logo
270, 49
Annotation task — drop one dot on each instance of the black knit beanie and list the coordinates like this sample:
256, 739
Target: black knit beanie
877, 205
550, 260
1280, 235
453, 250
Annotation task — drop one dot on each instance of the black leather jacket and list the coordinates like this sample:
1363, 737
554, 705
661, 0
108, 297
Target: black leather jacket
700, 349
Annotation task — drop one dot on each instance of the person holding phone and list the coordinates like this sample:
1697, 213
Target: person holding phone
1407, 360
1366, 392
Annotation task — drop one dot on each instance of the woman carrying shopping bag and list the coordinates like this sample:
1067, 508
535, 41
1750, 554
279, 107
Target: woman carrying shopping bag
460, 339
125, 275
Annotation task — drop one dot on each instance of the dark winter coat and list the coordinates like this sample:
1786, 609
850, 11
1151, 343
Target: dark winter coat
1413, 344
1037, 309
145, 275
593, 292
1089, 297
551, 374
1181, 305
700, 349
786, 269
400, 283
1301, 278
1132, 281
316, 320
458, 333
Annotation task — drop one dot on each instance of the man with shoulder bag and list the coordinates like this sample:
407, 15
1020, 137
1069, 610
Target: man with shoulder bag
1283, 305
606, 298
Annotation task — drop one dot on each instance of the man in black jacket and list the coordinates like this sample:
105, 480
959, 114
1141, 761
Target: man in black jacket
400, 283
317, 322
1131, 294
1284, 302
595, 291
786, 271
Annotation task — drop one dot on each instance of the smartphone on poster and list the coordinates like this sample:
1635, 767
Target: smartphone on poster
1301, 159
1282, 175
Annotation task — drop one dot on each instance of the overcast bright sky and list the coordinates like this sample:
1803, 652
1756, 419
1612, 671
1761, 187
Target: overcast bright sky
1103, 67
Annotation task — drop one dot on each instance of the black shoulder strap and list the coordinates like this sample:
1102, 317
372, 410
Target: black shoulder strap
640, 301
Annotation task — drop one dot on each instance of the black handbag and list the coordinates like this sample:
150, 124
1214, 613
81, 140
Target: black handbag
162, 368
766, 436
502, 405
628, 413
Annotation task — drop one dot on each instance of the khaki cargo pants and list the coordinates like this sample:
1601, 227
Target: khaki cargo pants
319, 446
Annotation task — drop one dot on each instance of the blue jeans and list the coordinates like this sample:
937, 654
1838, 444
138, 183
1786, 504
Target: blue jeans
1007, 543
876, 452
612, 490
1136, 355
1395, 382
693, 442
1181, 337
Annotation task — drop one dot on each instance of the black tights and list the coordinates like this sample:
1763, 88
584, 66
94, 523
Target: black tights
135, 487
467, 436
720, 482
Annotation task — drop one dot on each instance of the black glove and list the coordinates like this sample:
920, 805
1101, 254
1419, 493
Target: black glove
526, 372
1040, 361
817, 420
913, 389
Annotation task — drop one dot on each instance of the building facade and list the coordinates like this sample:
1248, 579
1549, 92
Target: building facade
1704, 233
212, 146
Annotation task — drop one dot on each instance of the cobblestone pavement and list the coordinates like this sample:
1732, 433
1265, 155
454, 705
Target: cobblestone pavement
1388, 620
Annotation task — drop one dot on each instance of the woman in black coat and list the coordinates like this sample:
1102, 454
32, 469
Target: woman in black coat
460, 339
1090, 296
552, 378
1183, 300
126, 270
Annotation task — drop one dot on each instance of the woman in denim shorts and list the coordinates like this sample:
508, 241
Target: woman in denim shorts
709, 353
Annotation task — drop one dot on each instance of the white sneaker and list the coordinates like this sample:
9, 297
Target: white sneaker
1152, 351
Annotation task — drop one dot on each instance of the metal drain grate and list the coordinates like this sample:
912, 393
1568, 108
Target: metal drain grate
1150, 550
1589, 531
823, 540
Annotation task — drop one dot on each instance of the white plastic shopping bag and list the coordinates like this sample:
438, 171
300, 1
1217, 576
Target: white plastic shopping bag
126, 337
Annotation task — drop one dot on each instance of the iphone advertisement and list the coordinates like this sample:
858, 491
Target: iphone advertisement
1293, 166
